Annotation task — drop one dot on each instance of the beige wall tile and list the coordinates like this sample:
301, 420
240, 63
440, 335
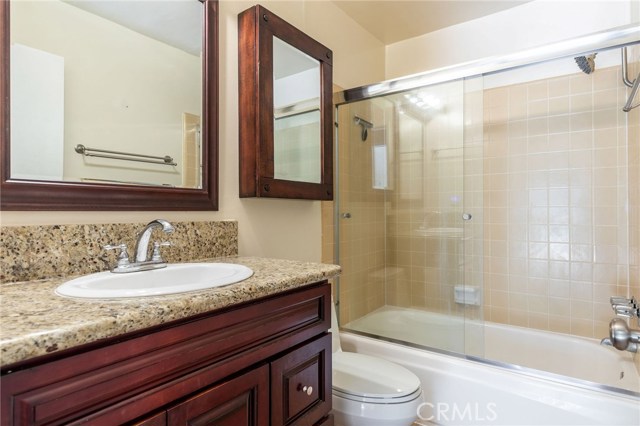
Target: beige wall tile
566, 210
552, 185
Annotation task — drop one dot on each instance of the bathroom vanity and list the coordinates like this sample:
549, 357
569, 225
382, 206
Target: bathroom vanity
265, 360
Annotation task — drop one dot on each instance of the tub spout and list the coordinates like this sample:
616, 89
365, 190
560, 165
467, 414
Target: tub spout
632, 347
623, 338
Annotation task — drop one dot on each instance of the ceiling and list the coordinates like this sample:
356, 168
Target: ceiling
177, 23
394, 20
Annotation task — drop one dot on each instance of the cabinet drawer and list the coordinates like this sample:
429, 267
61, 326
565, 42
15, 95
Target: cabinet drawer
301, 384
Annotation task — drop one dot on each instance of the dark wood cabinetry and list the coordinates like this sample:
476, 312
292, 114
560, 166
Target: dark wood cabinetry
262, 363
298, 383
240, 401
262, 153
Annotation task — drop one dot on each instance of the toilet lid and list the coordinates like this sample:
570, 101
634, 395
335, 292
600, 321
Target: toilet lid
366, 376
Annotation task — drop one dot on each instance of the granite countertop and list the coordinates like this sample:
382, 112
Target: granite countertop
35, 321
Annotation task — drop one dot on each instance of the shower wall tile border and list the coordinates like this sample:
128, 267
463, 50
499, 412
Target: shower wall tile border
29, 253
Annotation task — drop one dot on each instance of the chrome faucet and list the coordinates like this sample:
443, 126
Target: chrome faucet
621, 337
625, 307
142, 244
141, 261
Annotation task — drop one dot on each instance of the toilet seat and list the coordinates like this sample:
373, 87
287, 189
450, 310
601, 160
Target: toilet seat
364, 378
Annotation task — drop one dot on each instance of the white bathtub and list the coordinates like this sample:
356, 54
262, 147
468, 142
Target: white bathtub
465, 392
557, 353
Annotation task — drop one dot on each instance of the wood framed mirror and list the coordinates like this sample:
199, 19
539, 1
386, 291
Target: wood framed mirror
25, 192
285, 110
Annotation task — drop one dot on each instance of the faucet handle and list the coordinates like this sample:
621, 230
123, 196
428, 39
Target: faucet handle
617, 300
123, 256
156, 257
624, 311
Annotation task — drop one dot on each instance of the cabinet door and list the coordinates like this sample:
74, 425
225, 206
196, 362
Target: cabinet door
159, 419
242, 401
301, 384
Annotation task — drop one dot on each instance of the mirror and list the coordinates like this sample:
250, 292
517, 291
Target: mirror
126, 112
286, 136
296, 114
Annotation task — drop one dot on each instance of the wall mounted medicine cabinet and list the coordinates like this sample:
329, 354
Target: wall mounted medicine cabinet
285, 114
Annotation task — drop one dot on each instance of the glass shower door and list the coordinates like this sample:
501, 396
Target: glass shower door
400, 214
361, 208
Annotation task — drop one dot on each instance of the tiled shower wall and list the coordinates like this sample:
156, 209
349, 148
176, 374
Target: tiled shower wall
362, 234
424, 267
557, 179
552, 175
634, 194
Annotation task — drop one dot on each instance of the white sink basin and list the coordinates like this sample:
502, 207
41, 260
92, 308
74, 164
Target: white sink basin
175, 278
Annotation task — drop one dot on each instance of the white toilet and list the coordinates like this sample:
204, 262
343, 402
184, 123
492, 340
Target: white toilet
369, 391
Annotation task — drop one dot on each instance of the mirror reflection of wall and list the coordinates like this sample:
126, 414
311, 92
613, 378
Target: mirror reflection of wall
410, 155
107, 86
296, 98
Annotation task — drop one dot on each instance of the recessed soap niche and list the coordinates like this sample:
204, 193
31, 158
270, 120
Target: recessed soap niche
467, 295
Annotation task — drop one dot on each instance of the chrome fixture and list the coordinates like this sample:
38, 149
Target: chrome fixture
142, 244
633, 84
587, 64
621, 337
625, 78
624, 307
629, 105
365, 125
574, 47
166, 160
141, 260
619, 300
606, 342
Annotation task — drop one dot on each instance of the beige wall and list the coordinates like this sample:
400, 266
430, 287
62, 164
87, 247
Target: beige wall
532, 24
275, 228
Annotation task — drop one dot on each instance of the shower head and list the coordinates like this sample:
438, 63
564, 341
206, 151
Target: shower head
587, 64
365, 125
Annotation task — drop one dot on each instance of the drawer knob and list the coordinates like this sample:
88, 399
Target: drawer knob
306, 389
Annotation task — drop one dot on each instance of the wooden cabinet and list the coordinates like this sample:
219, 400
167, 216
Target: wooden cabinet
286, 109
241, 401
299, 384
262, 363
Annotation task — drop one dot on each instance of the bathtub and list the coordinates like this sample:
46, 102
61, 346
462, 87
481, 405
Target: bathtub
461, 390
